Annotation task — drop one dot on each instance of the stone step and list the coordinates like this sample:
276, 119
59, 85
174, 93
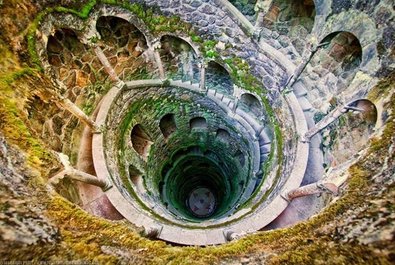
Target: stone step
226, 100
305, 104
220, 96
211, 92
299, 90
265, 149
263, 138
264, 157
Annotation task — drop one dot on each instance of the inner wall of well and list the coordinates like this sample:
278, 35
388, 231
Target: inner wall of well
168, 141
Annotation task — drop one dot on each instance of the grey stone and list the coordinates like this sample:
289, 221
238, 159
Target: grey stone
196, 3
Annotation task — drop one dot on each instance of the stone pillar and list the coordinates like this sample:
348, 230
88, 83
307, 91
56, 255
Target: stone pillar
202, 84
306, 58
311, 189
155, 47
106, 64
87, 178
78, 175
299, 69
302, 191
153, 232
322, 124
231, 236
237, 92
76, 111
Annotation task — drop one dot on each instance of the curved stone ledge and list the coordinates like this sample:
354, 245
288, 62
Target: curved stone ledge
253, 221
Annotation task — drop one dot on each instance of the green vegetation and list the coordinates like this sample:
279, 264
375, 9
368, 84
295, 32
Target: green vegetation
195, 38
14, 92
85, 237
383, 88
208, 49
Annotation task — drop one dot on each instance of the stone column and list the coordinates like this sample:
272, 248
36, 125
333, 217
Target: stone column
311, 189
202, 84
106, 64
306, 58
153, 232
322, 124
78, 175
237, 92
155, 47
76, 111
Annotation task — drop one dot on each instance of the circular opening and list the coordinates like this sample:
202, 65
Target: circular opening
202, 202
198, 187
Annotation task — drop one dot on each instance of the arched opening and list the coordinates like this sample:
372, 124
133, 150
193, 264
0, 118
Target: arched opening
167, 125
74, 63
179, 59
367, 111
223, 135
343, 52
198, 123
218, 78
135, 175
141, 142
350, 133
240, 157
250, 104
124, 45
332, 68
291, 18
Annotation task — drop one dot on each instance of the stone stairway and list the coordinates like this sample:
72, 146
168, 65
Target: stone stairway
303, 207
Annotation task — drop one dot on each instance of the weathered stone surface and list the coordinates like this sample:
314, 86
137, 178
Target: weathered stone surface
22, 220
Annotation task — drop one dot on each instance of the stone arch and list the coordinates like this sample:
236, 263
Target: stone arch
167, 125
349, 134
141, 141
130, 17
179, 58
120, 32
218, 78
198, 123
250, 104
368, 109
240, 157
123, 44
339, 57
363, 27
293, 18
185, 38
223, 135
345, 48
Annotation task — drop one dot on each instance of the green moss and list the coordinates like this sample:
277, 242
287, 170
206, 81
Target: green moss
382, 89
84, 236
13, 117
208, 49
195, 38
293, 243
